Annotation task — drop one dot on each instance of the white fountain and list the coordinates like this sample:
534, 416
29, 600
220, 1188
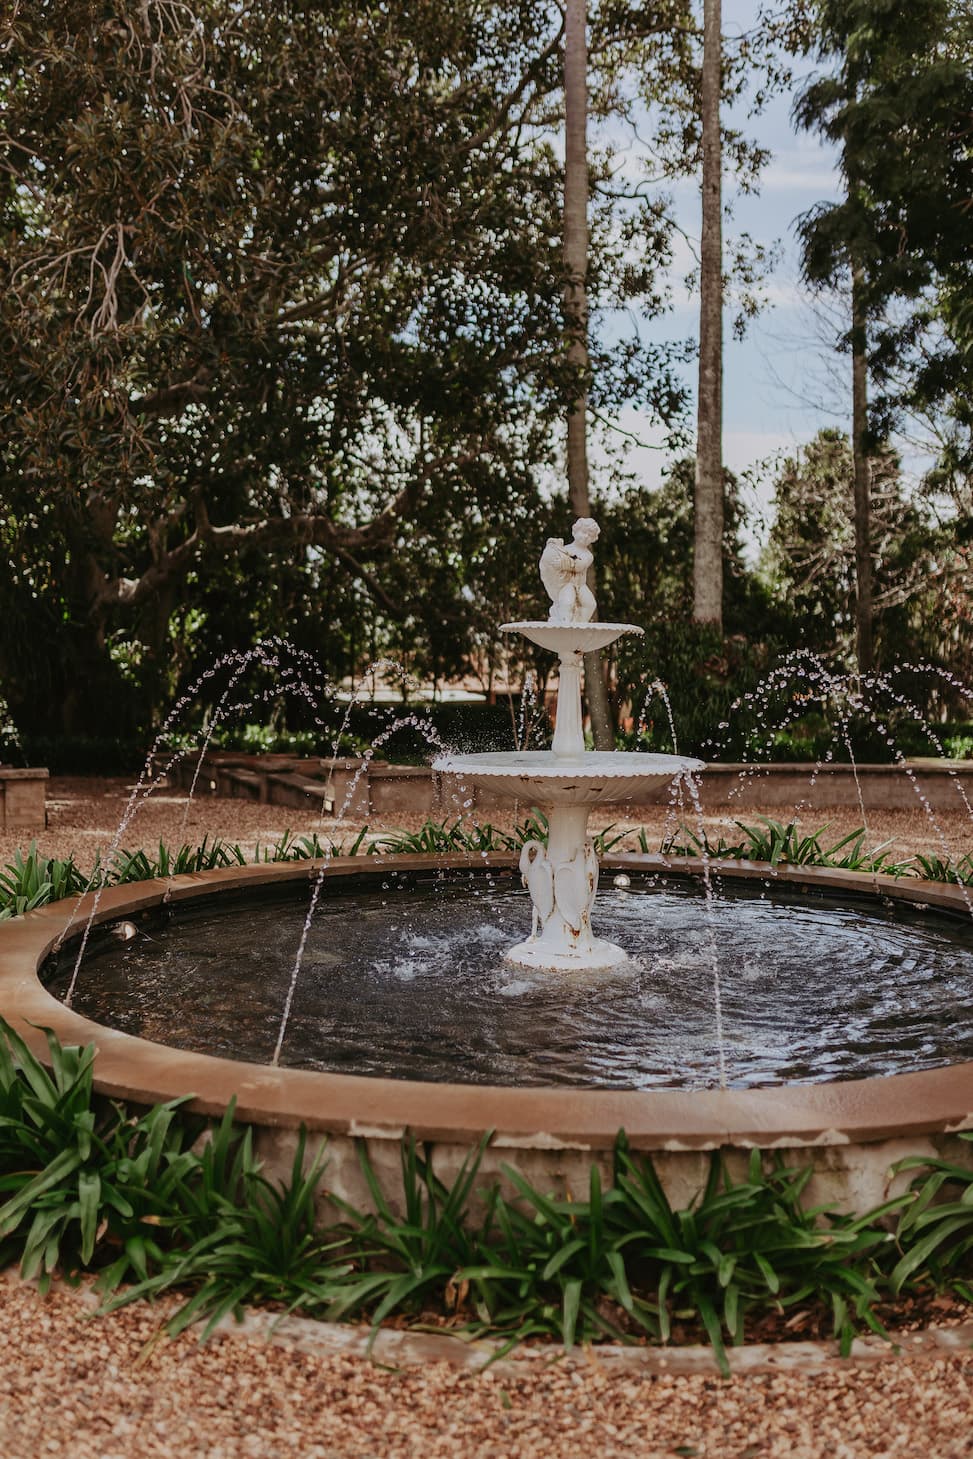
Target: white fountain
567, 780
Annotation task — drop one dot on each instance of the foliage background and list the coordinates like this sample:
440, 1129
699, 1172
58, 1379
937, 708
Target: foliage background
284, 351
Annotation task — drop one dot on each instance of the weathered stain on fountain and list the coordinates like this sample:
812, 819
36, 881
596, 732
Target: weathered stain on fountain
567, 780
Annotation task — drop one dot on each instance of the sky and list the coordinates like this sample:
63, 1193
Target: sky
781, 385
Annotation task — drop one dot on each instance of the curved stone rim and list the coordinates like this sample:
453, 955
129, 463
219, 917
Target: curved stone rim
543, 764
408, 1347
590, 627
850, 1112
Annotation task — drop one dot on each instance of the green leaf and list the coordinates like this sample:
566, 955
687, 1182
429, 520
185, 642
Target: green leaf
918, 1254
767, 1271
570, 1306
60, 1167
89, 1195
562, 1257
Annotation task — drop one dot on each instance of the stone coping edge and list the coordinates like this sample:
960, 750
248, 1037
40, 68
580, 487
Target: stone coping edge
398, 1348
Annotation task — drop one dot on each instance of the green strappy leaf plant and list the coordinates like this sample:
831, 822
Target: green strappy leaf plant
401, 1262
32, 880
243, 1240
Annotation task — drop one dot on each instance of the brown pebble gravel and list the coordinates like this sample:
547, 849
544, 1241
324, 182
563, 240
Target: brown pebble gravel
83, 814
74, 1386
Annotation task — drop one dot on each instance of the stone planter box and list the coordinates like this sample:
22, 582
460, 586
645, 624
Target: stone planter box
943, 784
22, 799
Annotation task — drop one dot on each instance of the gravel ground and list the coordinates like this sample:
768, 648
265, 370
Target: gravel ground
75, 1387
112, 1388
83, 815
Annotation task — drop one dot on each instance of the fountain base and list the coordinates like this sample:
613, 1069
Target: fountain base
598, 958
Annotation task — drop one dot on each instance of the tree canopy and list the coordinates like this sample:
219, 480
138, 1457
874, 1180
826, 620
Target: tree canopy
898, 99
281, 283
285, 344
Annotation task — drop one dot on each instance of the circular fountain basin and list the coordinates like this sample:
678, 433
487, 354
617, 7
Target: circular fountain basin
404, 976
851, 1128
597, 777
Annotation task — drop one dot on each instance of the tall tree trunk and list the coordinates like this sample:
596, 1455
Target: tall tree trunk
576, 313
708, 497
862, 470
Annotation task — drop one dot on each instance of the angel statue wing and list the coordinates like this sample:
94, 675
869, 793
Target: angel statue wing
552, 567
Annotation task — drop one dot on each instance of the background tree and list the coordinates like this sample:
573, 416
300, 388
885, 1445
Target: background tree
689, 79
899, 105
861, 473
648, 572
811, 555
708, 496
282, 302
576, 311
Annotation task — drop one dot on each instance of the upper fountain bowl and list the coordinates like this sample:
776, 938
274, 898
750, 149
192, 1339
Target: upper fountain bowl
568, 638
600, 777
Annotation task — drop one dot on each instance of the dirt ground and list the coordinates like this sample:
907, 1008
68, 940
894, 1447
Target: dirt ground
85, 814
73, 1386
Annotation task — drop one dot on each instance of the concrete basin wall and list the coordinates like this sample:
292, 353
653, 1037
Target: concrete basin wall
851, 1131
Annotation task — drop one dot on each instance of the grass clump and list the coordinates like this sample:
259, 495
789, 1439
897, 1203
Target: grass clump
84, 1181
939, 868
32, 880
779, 844
440, 838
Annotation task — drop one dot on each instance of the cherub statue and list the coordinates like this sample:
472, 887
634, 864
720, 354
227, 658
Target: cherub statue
563, 573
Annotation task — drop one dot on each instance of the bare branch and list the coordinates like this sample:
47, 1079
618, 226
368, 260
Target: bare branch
169, 399
513, 96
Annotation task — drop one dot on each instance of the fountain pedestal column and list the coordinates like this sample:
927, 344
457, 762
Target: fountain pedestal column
564, 783
562, 879
568, 741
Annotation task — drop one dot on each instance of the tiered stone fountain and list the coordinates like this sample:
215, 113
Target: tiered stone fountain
567, 780
406, 1020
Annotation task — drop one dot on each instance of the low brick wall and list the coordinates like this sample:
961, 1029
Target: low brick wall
22, 799
946, 785
358, 789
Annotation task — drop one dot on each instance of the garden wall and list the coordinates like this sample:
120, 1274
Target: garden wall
22, 799
357, 789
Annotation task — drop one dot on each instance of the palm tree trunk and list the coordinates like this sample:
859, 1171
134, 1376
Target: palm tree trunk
576, 313
862, 473
708, 497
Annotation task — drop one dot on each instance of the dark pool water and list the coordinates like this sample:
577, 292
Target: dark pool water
408, 980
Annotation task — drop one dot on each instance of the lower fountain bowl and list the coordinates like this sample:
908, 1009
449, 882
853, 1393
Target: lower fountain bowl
851, 1131
541, 778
